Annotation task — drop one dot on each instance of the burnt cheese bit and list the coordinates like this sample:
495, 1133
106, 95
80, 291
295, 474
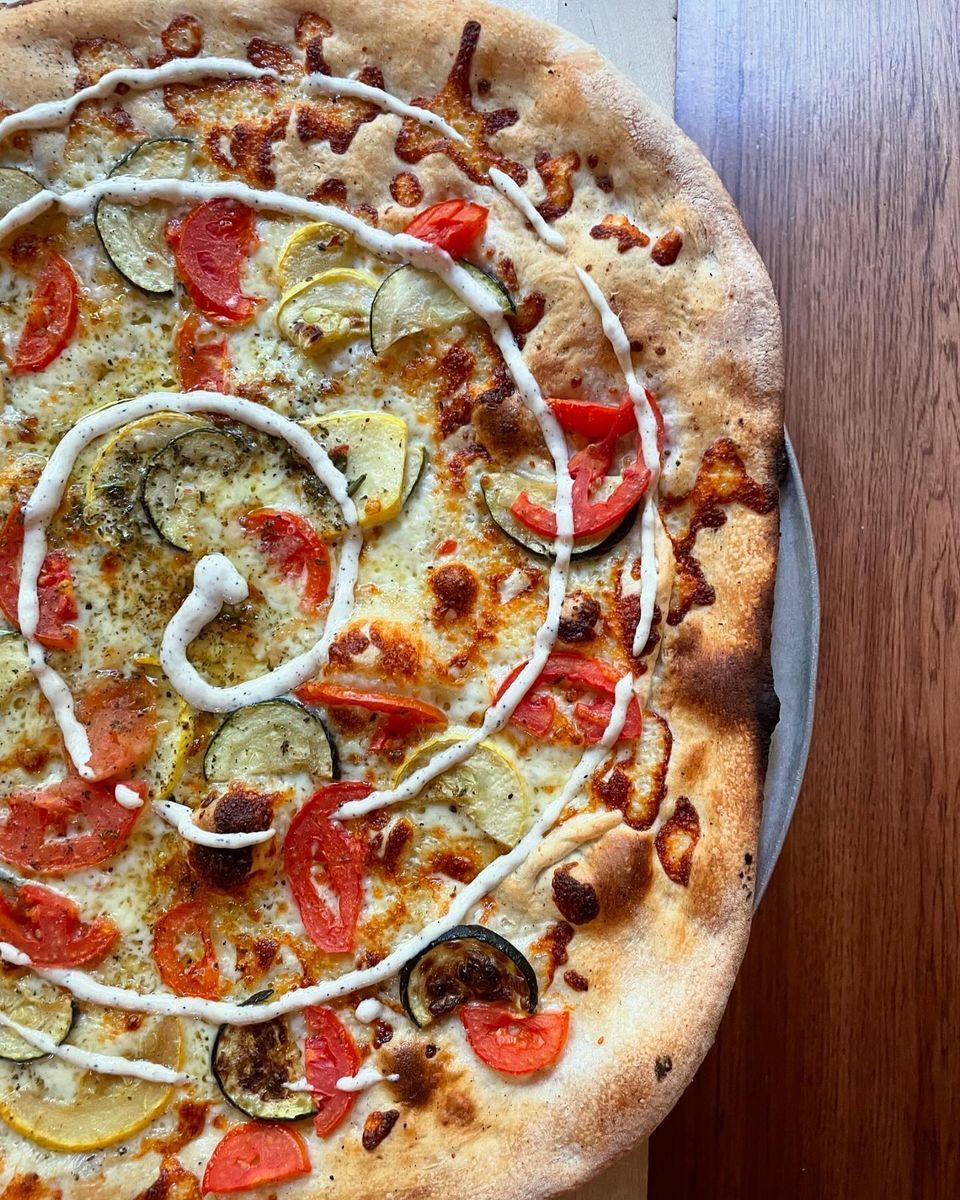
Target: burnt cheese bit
579, 616
377, 1126
576, 900
505, 427
238, 810
456, 589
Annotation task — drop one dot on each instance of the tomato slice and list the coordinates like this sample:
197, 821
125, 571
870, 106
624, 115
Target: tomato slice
40, 832
402, 713
49, 928
203, 364
254, 1154
295, 548
58, 605
536, 711
313, 839
187, 976
51, 317
329, 1053
212, 247
121, 721
514, 1043
453, 225
594, 420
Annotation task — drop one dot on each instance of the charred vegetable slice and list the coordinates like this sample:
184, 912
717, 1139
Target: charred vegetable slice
501, 490
16, 187
183, 475
113, 490
14, 663
329, 309
37, 1004
310, 252
133, 235
468, 962
371, 450
277, 737
486, 786
98, 1110
252, 1065
412, 301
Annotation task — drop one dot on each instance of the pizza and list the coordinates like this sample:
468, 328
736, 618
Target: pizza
391, 429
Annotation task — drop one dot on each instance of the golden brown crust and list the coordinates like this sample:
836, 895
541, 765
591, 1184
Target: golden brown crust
661, 956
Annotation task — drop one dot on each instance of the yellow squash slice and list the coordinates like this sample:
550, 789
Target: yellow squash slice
328, 309
310, 251
175, 725
486, 786
64, 1108
373, 446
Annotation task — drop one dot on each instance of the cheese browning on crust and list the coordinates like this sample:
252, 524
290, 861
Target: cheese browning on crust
528, 637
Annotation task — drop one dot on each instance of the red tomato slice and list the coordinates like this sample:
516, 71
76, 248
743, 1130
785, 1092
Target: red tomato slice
212, 248
510, 1042
58, 604
453, 225
203, 365
183, 974
329, 1053
401, 713
254, 1154
594, 420
51, 317
295, 548
121, 721
49, 928
40, 832
313, 839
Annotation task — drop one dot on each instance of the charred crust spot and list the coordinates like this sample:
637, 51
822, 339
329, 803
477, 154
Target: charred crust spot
622, 868
557, 174
398, 839
667, 248
721, 480
348, 645
576, 900
579, 617
662, 1067
377, 1126
626, 234
182, 38
736, 686
406, 189
677, 841
420, 1075
275, 57
454, 102
576, 981
457, 1109
456, 589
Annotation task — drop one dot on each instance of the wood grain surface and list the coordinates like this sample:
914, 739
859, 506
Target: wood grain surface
837, 1069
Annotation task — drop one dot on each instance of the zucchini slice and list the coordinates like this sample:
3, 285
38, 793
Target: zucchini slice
311, 251
181, 477
276, 737
500, 491
132, 235
37, 1004
411, 301
14, 663
253, 1063
16, 186
487, 787
416, 461
113, 491
329, 309
468, 962
371, 449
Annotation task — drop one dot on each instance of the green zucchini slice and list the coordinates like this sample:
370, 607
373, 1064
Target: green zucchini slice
500, 492
411, 301
468, 962
16, 186
276, 737
113, 490
133, 235
253, 1063
36, 1004
181, 478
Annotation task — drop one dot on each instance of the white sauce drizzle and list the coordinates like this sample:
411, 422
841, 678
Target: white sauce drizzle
512, 191
335, 85
88, 1060
366, 1077
647, 425
127, 797
370, 1010
181, 818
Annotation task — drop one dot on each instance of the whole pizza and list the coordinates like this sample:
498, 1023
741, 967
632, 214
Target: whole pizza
391, 424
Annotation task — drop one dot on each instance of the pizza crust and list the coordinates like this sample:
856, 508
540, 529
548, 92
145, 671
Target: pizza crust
659, 972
